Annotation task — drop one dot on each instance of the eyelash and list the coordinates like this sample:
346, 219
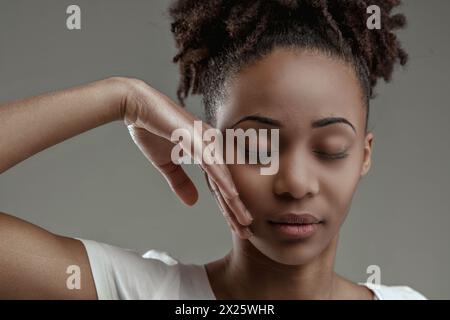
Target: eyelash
331, 157
323, 155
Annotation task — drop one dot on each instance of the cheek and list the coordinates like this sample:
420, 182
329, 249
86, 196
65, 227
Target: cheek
339, 184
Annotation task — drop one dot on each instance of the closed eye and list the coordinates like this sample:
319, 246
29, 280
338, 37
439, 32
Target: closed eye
331, 156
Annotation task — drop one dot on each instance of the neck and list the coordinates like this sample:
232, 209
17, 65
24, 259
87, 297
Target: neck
248, 274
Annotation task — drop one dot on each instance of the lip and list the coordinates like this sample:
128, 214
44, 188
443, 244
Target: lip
300, 218
295, 225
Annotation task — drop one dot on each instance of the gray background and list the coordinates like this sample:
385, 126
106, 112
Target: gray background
99, 186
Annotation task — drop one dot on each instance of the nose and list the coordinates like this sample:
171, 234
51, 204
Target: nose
296, 176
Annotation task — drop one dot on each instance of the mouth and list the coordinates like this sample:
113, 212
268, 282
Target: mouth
295, 226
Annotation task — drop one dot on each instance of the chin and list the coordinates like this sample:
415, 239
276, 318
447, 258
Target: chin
287, 253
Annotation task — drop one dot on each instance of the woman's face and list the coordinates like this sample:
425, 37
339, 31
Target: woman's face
320, 161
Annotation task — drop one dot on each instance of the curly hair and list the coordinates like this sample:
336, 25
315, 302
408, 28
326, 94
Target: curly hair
217, 38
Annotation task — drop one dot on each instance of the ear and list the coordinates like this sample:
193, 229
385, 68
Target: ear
367, 160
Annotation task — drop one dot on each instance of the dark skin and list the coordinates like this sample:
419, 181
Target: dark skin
295, 90
35, 260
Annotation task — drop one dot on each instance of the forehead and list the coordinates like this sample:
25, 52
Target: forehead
294, 87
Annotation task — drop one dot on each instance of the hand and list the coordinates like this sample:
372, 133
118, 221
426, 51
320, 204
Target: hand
151, 117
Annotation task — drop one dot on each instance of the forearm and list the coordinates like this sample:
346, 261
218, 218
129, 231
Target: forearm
31, 125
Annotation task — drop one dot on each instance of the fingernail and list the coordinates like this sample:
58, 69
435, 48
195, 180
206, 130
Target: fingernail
248, 215
248, 233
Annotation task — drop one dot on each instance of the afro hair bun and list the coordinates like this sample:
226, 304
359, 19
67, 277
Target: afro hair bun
204, 29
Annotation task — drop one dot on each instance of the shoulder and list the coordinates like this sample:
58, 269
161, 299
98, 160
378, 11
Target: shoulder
385, 292
121, 273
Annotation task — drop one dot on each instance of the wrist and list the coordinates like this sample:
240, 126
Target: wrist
120, 89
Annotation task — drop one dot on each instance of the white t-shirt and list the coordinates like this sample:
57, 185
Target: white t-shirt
125, 274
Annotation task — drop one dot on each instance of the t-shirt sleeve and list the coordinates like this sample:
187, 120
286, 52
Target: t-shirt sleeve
405, 293
124, 274
384, 292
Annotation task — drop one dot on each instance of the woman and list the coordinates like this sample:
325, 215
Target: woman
306, 68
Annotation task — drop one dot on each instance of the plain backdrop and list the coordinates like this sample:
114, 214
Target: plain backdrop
99, 186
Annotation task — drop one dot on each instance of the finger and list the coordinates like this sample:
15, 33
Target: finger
179, 182
212, 164
215, 167
241, 214
241, 231
222, 179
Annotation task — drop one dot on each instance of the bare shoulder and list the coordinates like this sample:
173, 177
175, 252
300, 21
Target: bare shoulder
37, 264
348, 290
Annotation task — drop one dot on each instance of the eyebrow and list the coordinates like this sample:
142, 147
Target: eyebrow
320, 123
260, 119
